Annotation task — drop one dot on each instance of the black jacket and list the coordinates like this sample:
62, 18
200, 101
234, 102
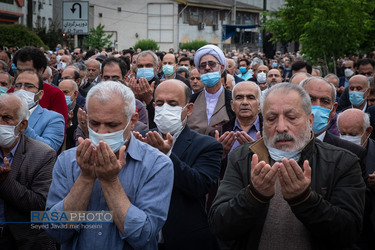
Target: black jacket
332, 213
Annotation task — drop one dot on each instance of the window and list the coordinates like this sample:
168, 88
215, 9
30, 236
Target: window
7, 1
160, 20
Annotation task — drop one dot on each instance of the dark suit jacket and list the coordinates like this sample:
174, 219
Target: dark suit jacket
371, 112
25, 189
196, 162
354, 148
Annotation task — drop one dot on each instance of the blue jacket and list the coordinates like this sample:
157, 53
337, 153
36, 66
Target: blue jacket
46, 126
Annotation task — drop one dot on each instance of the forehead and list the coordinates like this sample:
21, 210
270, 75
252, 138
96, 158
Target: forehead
319, 88
291, 101
194, 73
146, 59
66, 85
245, 89
358, 81
262, 67
349, 63
350, 122
274, 72
27, 77
105, 111
92, 64
112, 68
4, 57
169, 58
4, 78
9, 107
68, 72
207, 58
366, 67
170, 91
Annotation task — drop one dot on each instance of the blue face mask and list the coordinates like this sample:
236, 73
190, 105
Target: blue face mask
278, 155
321, 116
114, 140
274, 65
168, 70
3, 90
287, 69
147, 73
210, 79
243, 70
68, 101
356, 97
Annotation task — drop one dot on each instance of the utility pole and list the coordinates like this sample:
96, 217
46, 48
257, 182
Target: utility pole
234, 12
29, 18
263, 22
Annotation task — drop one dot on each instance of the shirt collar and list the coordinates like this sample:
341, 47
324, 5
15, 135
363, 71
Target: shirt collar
256, 124
133, 148
12, 152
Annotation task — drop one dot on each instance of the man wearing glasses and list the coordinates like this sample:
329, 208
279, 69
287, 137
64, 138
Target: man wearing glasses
212, 105
44, 125
78, 55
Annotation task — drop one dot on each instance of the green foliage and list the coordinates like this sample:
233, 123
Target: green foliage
325, 28
98, 38
193, 45
18, 35
52, 37
146, 44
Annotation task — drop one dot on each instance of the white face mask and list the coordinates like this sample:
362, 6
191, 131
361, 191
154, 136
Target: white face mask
354, 139
28, 96
58, 59
261, 77
114, 140
168, 118
7, 135
348, 72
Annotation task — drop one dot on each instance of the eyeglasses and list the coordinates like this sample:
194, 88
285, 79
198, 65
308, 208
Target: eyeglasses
371, 100
27, 86
75, 53
211, 64
193, 78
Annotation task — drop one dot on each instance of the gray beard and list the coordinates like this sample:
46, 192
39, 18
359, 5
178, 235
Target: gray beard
299, 142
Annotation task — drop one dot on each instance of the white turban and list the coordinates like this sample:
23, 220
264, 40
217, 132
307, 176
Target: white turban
210, 49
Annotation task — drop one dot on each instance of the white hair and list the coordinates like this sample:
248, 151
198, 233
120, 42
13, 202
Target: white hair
250, 83
106, 91
49, 70
365, 122
23, 110
145, 53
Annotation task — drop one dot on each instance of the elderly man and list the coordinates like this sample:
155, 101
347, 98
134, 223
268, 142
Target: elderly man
70, 89
196, 162
359, 89
354, 126
112, 171
92, 76
5, 82
212, 105
334, 80
284, 190
242, 128
349, 71
297, 78
25, 177
195, 81
323, 94
73, 73
44, 125
169, 69
143, 85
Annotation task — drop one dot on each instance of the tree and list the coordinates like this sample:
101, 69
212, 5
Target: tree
52, 37
146, 44
97, 38
193, 45
325, 28
18, 35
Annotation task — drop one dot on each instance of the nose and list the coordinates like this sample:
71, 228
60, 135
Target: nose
281, 125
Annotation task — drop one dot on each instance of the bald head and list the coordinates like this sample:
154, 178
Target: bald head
297, 78
354, 122
359, 80
174, 92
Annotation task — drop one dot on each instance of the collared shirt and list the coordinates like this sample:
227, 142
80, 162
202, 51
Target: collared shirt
246, 76
10, 157
321, 136
252, 132
147, 179
364, 108
211, 101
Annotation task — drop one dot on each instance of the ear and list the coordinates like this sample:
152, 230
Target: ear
369, 130
333, 111
190, 108
134, 120
75, 94
231, 104
367, 92
41, 93
311, 119
23, 126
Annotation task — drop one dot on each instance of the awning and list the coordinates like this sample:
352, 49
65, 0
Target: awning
229, 30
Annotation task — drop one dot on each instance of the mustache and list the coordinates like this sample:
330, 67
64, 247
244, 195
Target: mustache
283, 137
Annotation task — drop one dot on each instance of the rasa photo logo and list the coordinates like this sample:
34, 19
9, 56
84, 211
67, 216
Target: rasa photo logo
71, 216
